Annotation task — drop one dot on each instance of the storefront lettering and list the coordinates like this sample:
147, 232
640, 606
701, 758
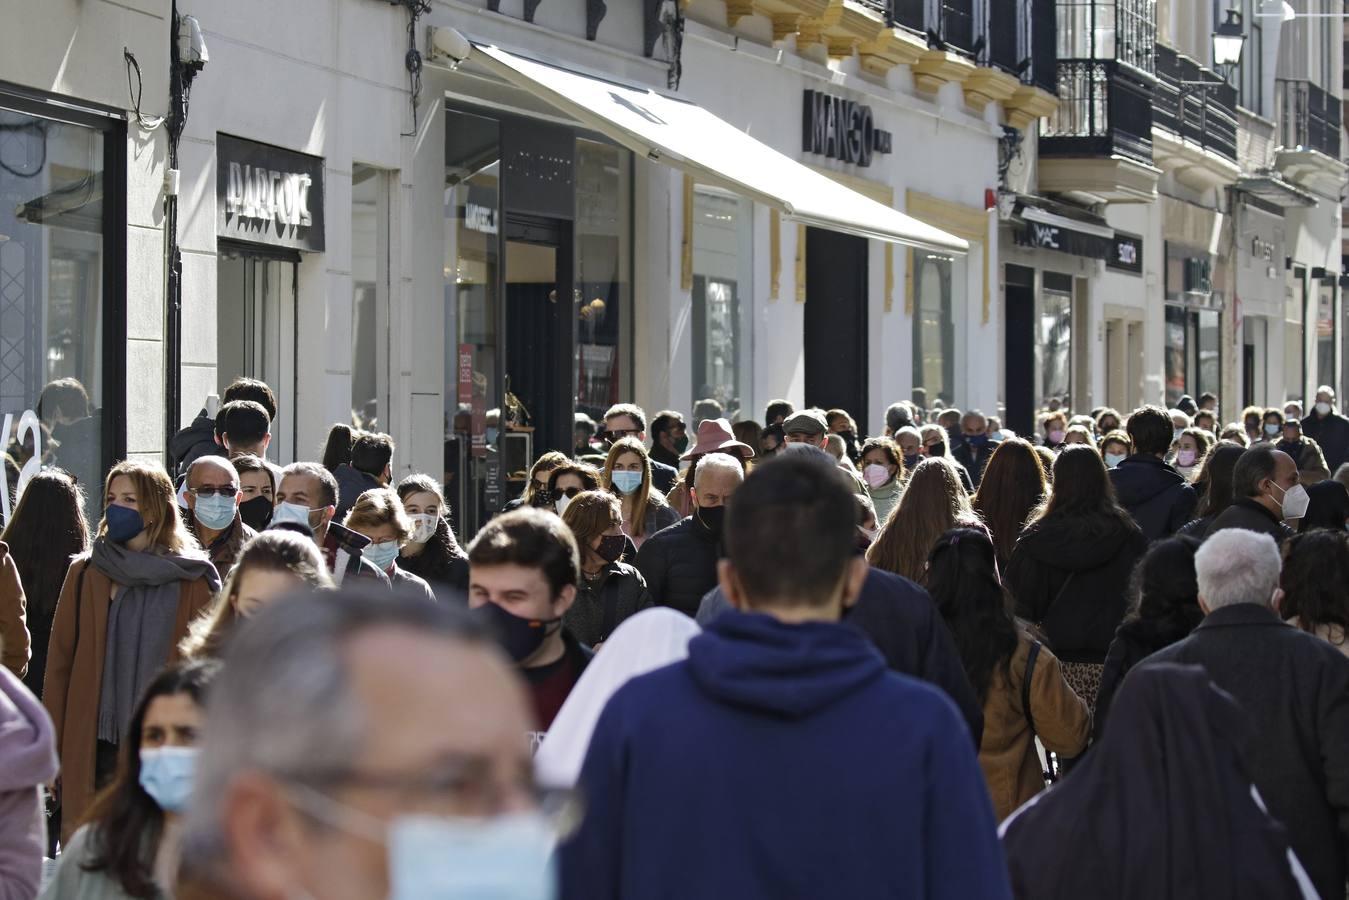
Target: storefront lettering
842, 129
1127, 255
1262, 249
28, 427
259, 193
478, 218
1046, 236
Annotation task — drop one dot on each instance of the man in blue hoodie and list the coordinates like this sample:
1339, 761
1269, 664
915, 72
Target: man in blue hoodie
782, 759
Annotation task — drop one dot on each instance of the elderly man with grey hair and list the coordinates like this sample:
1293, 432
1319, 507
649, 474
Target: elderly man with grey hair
359, 745
679, 563
1293, 686
213, 493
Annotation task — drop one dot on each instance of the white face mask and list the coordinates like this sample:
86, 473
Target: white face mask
561, 504
1323, 408
423, 527
1295, 501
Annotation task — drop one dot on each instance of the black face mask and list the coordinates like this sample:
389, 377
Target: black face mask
521, 638
543, 498
611, 547
712, 519
256, 513
936, 450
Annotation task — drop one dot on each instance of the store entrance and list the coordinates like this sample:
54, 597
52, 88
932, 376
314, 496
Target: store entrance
836, 322
255, 330
540, 331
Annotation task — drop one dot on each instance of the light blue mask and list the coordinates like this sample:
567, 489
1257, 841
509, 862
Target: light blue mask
1113, 459
626, 482
504, 858
166, 775
216, 512
291, 512
382, 554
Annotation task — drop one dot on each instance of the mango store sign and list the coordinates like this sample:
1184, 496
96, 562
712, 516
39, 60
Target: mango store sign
268, 195
28, 427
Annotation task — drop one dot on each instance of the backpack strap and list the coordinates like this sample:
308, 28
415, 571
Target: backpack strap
1026, 683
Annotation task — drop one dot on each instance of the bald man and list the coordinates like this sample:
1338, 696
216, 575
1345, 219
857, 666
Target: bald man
213, 494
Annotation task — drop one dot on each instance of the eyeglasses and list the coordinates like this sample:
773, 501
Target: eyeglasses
569, 493
210, 490
617, 433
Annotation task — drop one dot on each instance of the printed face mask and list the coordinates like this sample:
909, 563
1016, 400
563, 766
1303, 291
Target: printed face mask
611, 547
423, 527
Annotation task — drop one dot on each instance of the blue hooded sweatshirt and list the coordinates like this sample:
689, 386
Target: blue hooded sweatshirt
779, 762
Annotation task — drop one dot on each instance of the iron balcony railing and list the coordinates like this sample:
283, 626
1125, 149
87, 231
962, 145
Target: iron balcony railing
1206, 116
1105, 109
951, 21
1016, 36
1309, 117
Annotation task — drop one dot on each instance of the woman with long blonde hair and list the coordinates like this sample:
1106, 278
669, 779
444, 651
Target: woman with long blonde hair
270, 565
123, 609
934, 502
627, 474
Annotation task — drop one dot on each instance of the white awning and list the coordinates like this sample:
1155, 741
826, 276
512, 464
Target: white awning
712, 150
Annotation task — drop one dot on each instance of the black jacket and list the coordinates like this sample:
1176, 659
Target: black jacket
1156, 495
663, 477
603, 604
1070, 576
1294, 688
443, 564
193, 442
1134, 642
903, 623
1250, 515
679, 564
351, 483
974, 460
1332, 433
665, 457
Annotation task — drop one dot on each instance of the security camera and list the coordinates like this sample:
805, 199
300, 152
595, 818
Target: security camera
191, 46
450, 43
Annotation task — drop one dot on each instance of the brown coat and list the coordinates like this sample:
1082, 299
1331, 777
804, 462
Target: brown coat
75, 676
1007, 754
13, 618
224, 552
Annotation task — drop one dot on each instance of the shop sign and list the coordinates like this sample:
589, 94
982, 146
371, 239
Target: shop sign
268, 195
28, 427
480, 210
1053, 237
1127, 254
842, 129
1262, 249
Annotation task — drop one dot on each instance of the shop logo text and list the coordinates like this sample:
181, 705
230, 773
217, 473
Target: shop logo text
255, 192
841, 129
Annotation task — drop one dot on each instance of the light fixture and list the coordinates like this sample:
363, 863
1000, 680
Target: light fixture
1228, 41
1289, 14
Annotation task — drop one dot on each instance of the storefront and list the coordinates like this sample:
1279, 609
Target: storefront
1196, 244
1258, 303
63, 340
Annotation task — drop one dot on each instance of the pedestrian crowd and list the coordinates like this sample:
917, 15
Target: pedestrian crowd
691, 659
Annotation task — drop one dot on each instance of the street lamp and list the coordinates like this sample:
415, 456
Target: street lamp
1228, 41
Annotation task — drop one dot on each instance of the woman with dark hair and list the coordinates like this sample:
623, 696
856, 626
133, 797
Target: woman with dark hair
44, 534
1214, 486
1130, 822
627, 475
1164, 609
536, 487
1012, 488
337, 448
127, 844
566, 481
1315, 571
962, 577
1327, 508
884, 474
432, 552
934, 502
1070, 570
610, 590
123, 609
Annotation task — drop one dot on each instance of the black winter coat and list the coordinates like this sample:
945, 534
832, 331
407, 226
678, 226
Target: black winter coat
1134, 642
1294, 688
603, 604
443, 564
679, 564
193, 442
1250, 515
1156, 495
1070, 577
351, 483
1332, 433
974, 460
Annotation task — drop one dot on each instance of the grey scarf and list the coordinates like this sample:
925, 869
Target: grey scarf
140, 624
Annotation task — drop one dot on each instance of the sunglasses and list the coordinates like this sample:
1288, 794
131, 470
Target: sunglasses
212, 491
569, 493
612, 436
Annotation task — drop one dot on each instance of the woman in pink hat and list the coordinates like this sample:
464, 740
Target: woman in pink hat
714, 436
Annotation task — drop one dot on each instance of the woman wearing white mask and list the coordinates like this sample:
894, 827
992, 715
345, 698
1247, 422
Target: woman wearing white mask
128, 846
566, 481
627, 475
379, 515
883, 471
432, 552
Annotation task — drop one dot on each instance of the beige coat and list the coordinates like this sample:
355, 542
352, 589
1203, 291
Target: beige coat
1007, 754
13, 617
74, 678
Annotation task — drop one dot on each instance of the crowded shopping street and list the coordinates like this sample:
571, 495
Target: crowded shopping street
674, 450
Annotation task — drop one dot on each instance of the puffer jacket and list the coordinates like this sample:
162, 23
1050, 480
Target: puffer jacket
619, 591
1158, 497
679, 565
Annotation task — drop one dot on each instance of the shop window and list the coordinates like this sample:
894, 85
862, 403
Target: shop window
369, 298
1175, 344
1325, 334
723, 266
55, 318
933, 331
1294, 357
603, 283
1055, 340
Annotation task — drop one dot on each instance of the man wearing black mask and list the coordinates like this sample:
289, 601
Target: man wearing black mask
975, 446
680, 562
523, 570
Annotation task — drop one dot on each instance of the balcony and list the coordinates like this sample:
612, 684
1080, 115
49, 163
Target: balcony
1097, 145
1203, 116
1309, 119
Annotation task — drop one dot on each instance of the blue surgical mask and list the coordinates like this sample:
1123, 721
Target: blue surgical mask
382, 554
1113, 459
123, 522
1273, 428
291, 512
626, 482
216, 512
167, 774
